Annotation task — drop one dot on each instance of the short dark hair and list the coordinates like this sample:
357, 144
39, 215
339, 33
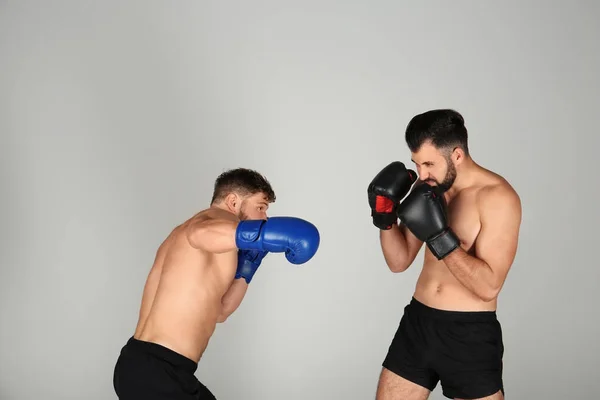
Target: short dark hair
243, 181
443, 128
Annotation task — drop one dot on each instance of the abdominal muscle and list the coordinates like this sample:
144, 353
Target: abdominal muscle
438, 288
182, 297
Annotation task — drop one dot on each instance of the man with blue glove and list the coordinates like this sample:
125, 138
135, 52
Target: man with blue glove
200, 276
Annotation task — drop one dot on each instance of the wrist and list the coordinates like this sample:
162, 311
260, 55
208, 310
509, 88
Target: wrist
247, 234
246, 270
443, 243
384, 221
246, 278
248, 263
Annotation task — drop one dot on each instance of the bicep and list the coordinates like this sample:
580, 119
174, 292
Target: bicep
500, 224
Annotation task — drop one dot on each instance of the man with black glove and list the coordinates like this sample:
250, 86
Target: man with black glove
469, 219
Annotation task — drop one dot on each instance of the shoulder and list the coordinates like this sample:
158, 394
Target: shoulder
212, 213
497, 196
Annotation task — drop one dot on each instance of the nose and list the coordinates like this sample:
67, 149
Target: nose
420, 172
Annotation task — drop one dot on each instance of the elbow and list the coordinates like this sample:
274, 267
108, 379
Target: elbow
223, 317
397, 267
225, 313
490, 294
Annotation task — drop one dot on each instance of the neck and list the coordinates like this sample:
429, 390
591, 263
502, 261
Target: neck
465, 176
221, 206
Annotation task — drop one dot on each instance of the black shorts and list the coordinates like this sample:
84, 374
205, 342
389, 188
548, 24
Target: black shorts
461, 350
150, 371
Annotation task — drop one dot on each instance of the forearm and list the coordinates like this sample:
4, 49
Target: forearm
232, 298
395, 249
473, 273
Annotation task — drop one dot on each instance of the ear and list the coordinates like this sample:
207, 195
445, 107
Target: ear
458, 155
232, 201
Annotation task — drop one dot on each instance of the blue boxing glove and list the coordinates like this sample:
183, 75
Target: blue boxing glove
248, 263
297, 238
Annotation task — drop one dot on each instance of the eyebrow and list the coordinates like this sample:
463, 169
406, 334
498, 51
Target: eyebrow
424, 162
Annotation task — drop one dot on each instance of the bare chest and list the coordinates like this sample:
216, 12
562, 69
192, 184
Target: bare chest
463, 218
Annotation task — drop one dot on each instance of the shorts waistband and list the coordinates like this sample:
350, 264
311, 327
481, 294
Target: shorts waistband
177, 360
447, 315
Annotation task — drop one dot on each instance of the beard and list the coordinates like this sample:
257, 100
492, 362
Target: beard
449, 178
242, 213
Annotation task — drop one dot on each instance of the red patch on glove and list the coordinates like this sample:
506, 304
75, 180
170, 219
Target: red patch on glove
384, 205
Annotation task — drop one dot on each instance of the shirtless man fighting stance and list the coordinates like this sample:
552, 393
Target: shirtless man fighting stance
200, 276
469, 218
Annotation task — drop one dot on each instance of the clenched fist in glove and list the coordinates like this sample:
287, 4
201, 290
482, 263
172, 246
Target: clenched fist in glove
386, 190
297, 238
423, 212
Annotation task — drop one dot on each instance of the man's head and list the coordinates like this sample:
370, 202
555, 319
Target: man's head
437, 140
244, 192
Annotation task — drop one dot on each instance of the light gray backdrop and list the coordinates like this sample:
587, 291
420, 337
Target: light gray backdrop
117, 117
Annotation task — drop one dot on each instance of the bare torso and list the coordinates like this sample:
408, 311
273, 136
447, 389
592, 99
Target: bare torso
182, 296
436, 286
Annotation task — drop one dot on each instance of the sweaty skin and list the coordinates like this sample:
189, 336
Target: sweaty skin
191, 286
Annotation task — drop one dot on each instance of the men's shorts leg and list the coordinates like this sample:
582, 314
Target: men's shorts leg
409, 353
153, 372
469, 355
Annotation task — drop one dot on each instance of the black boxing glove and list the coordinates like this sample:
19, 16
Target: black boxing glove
423, 212
386, 190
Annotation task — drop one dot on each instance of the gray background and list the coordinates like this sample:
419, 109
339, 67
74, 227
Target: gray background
117, 117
